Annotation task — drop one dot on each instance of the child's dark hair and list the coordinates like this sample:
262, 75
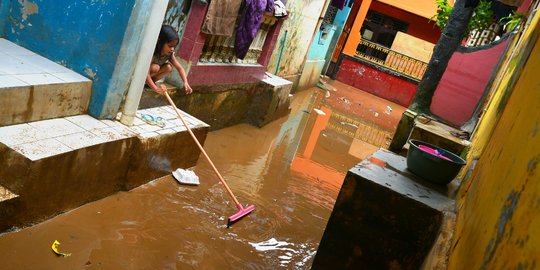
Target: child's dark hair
166, 34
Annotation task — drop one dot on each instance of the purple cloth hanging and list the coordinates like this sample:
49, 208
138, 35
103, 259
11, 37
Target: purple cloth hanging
250, 21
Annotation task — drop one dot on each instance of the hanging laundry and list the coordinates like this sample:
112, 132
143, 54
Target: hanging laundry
280, 11
221, 17
250, 21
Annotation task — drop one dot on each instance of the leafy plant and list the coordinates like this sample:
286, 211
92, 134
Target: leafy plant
481, 18
512, 21
443, 12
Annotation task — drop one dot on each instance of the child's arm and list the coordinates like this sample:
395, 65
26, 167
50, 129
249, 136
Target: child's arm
162, 88
182, 73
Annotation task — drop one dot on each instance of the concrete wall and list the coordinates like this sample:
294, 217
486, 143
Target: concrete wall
498, 223
314, 64
413, 46
376, 81
82, 35
464, 82
300, 26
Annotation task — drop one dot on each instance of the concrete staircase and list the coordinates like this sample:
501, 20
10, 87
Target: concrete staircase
34, 88
54, 157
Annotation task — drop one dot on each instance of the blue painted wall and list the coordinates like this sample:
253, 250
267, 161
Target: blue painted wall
321, 42
5, 5
83, 35
339, 23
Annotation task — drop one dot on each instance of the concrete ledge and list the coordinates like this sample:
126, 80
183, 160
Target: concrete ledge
8, 204
157, 156
37, 102
271, 102
384, 217
34, 88
439, 134
225, 105
81, 159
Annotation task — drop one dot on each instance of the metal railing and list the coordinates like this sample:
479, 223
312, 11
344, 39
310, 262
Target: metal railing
220, 49
390, 59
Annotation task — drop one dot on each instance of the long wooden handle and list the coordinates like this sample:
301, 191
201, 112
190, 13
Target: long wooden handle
202, 150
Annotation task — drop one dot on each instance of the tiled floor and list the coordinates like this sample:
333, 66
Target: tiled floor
41, 139
21, 67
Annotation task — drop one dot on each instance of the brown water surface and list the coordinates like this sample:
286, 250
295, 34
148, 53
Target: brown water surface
291, 170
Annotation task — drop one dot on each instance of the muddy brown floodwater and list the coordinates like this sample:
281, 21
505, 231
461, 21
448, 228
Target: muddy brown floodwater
291, 170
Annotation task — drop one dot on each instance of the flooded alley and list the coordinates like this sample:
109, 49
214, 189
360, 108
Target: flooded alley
291, 170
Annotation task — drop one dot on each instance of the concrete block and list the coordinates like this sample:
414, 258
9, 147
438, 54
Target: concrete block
62, 182
158, 156
271, 101
37, 102
8, 207
384, 217
98, 158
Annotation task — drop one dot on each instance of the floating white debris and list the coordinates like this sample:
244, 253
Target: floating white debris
319, 111
388, 110
186, 177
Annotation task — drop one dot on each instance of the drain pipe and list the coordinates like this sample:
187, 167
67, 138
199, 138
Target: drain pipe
281, 51
142, 64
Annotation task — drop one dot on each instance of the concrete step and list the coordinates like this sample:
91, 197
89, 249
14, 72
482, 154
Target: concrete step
8, 201
58, 164
34, 88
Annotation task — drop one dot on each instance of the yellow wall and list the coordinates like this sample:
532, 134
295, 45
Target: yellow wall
498, 223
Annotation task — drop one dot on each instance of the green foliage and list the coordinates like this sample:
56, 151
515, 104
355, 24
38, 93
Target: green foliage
481, 18
443, 12
512, 21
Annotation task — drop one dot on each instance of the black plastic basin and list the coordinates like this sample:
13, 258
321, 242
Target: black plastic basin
433, 168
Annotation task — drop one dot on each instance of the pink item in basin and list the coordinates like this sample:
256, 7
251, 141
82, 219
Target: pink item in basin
433, 152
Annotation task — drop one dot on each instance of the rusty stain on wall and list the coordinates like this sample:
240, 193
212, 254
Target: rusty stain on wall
505, 215
28, 8
300, 26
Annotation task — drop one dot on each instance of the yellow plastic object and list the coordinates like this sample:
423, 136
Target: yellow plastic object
55, 246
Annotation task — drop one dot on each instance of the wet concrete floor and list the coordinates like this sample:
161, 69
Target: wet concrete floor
291, 170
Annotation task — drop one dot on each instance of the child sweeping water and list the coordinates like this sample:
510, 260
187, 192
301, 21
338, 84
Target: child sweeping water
163, 61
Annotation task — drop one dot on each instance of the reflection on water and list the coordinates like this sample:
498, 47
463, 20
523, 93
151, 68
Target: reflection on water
288, 251
291, 170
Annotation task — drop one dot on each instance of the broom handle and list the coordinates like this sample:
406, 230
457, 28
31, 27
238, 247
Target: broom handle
202, 150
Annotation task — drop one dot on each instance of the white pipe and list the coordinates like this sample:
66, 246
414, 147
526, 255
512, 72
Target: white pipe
142, 64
